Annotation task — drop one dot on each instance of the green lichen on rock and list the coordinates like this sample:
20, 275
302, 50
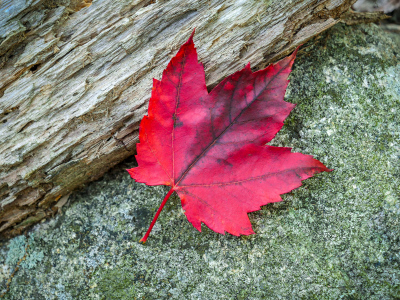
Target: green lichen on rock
16, 250
335, 237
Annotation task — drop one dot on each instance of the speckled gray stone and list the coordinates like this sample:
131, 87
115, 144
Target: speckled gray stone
336, 237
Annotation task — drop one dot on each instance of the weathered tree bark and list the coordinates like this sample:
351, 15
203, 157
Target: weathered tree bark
76, 78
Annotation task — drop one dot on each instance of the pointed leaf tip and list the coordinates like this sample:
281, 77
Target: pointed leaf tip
295, 51
130, 171
190, 40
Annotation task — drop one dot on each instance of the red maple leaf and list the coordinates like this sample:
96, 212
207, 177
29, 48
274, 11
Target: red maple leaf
211, 147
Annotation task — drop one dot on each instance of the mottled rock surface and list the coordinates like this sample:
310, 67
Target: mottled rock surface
336, 237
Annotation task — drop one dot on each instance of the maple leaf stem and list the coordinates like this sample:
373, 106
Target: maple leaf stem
144, 239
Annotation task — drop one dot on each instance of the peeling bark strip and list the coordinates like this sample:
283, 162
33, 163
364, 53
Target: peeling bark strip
75, 79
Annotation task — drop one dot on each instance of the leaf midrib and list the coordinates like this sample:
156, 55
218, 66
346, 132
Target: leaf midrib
226, 129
